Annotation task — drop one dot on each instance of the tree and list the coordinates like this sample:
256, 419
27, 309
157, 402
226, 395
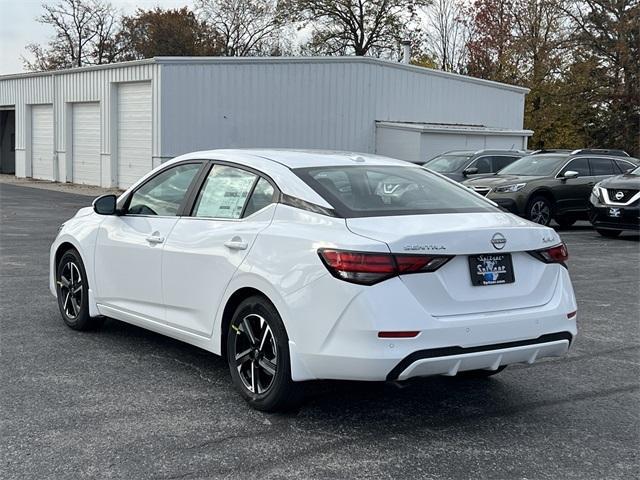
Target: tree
247, 27
84, 30
358, 27
446, 34
158, 32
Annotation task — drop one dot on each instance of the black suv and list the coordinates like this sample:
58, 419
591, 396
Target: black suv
461, 164
615, 204
552, 183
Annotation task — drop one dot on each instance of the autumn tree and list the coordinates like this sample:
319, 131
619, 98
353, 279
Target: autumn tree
83, 35
158, 32
247, 27
356, 27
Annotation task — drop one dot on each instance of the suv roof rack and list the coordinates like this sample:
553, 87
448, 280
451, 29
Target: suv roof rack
551, 150
600, 151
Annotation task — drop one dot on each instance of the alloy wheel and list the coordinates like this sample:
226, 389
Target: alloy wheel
540, 212
70, 284
256, 354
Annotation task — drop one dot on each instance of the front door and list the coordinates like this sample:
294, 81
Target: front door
572, 194
204, 250
128, 258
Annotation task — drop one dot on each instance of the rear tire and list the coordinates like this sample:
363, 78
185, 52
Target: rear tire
540, 210
258, 357
481, 373
72, 289
608, 233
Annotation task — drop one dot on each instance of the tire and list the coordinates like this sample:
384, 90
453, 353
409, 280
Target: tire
540, 210
258, 357
72, 289
565, 221
480, 373
608, 233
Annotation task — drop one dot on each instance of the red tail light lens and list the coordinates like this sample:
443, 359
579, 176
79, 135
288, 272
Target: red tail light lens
368, 268
556, 254
403, 334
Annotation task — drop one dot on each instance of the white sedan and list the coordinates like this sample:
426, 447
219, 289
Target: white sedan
302, 265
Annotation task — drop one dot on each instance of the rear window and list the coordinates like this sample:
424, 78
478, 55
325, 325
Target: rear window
373, 191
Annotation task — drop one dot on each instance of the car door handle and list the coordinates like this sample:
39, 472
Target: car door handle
155, 239
236, 244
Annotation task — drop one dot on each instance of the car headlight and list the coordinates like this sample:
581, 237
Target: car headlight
596, 192
510, 188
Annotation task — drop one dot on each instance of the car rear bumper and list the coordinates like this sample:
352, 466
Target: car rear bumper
350, 348
451, 360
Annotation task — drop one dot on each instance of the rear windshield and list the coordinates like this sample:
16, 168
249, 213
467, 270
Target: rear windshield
448, 163
534, 165
374, 191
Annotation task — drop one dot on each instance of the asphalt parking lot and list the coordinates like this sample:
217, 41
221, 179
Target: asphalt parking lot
123, 402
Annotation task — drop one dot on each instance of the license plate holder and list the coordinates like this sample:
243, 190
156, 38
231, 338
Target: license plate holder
491, 269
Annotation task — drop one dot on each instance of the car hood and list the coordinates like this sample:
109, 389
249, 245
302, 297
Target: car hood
625, 181
496, 180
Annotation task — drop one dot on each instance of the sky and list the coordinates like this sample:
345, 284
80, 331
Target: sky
18, 26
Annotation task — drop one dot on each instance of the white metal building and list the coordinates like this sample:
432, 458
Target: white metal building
107, 125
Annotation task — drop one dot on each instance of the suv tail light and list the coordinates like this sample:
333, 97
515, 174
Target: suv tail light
367, 268
556, 254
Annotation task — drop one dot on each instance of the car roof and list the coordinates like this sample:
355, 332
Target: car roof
296, 158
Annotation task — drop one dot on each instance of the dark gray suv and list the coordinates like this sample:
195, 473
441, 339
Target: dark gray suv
459, 165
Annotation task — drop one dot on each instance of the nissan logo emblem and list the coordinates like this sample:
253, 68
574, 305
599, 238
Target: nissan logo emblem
498, 241
619, 195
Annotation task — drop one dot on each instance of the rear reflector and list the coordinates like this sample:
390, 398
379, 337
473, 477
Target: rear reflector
572, 314
367, 268
556, 254
398, 334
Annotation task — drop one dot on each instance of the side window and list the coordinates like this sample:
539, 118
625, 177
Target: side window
602, 166
483, 164
164, 193
502, 161
623, 166
580, 165
224, 193
261, 197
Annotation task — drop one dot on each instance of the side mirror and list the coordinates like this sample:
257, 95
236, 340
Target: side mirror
105, 205
469, 171
570, 174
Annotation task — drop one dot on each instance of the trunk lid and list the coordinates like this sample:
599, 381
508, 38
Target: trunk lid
449, 290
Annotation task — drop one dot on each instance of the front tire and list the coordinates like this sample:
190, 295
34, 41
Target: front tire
608, 233
258, 357
566, 221
72, 290
540, 210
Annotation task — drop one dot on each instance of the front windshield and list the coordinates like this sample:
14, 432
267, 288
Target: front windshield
534, 165
374, 191
448, 163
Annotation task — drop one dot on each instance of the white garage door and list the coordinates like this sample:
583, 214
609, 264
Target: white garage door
134, 132
85, 127
42, 142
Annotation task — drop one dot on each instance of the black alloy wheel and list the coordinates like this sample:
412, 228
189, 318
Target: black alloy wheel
258, 357
72, 291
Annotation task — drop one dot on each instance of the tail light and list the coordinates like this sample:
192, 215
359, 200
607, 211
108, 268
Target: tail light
367, 268
556, 254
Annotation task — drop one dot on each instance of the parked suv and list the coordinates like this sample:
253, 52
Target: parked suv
552, 183
459, 165
615, 204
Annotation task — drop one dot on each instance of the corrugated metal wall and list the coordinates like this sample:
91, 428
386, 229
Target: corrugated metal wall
317, 103
64, 88
204, 103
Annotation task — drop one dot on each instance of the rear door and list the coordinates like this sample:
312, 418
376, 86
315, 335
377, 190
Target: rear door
128, 259
205, 249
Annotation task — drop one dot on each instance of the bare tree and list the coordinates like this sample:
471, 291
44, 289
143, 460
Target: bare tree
84, 30
359, 27
247, 27
446, 34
